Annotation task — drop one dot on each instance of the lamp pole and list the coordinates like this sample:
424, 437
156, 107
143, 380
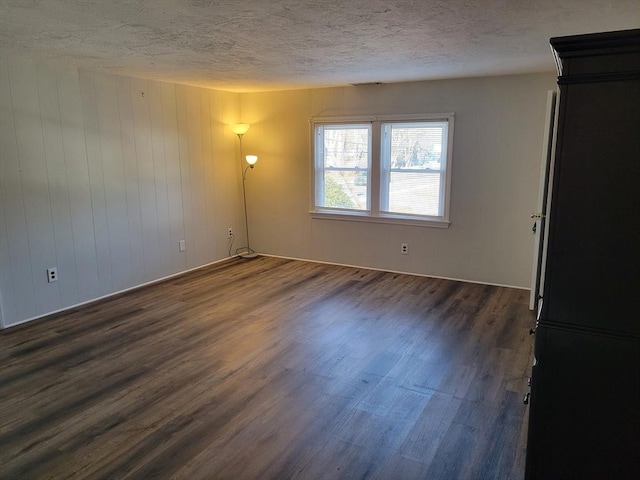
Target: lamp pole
251, 160
249, 252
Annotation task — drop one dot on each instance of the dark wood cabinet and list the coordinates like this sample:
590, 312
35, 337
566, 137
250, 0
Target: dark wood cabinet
584, 419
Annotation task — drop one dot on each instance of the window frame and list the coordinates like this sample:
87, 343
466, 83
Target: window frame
320, 170
374, 214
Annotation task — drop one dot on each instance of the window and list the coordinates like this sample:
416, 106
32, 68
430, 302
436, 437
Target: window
394, 169
344, 155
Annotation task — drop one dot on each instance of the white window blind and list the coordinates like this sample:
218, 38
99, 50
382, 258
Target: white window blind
413, 165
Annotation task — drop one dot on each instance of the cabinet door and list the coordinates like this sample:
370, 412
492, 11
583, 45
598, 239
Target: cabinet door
593, 265
585, 407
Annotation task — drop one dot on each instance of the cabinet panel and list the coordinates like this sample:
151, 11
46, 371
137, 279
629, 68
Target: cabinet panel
593, 274
585, 407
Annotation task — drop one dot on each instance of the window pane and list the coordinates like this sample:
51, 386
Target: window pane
416, 145
414, 193
345, 189
413, 160
346, 147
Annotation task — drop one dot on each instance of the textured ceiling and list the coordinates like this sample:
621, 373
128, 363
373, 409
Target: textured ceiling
245, 45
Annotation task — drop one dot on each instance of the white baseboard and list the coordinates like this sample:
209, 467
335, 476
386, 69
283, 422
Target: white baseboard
260, 254
135, 287
396, 271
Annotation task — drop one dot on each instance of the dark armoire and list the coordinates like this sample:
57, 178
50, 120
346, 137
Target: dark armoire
584, 418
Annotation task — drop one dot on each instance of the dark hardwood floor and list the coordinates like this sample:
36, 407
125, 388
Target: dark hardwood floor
272, 369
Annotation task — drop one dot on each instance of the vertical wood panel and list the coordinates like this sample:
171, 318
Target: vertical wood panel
134, 214
207, 177
219, 157
7, 293
154, 96
146, 179
58, 185
185, 172
196, 178
78, 186
114, 180
35, 188
96, 182
174, 181
15, 275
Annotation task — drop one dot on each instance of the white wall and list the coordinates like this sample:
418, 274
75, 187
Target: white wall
499, 124
102, 182
101, 176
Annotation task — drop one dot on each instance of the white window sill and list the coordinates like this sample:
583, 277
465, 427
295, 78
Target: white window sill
388, 218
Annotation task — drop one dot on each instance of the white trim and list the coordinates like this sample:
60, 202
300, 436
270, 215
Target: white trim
388, 218
544, 199
424, 275
373, 214
382, 118
136, 287
448, 168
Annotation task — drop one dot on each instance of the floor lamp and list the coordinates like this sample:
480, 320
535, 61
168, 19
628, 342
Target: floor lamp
240, 129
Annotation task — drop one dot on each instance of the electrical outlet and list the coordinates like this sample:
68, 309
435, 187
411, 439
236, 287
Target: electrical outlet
52, 274
182, 245
229, 232
404, 248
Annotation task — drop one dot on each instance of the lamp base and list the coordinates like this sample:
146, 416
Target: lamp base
246, 252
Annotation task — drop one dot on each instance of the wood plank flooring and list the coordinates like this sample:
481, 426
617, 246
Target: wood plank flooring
272, 369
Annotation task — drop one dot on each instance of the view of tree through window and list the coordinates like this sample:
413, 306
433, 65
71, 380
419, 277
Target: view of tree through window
346, 166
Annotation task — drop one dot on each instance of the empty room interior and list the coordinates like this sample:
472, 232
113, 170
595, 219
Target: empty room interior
319, 239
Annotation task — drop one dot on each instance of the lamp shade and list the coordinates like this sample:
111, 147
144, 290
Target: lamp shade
240, 128
251, 159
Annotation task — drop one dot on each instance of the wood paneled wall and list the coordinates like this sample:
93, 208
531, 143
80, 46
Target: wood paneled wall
101, 176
